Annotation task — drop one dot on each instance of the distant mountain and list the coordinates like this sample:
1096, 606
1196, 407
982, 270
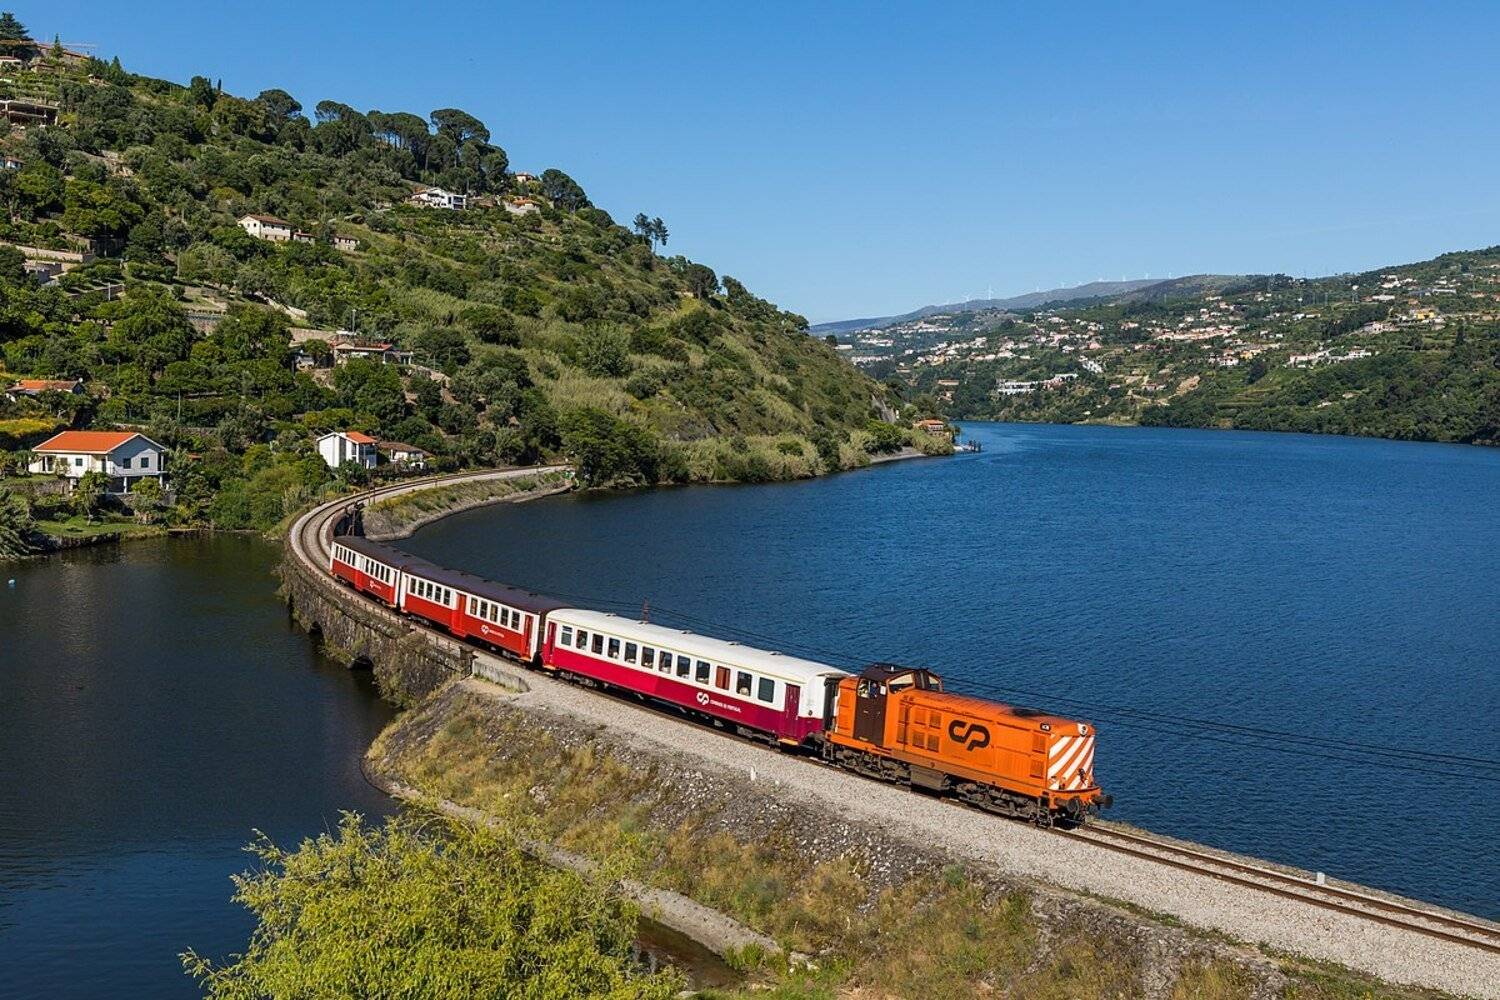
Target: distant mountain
1077, 293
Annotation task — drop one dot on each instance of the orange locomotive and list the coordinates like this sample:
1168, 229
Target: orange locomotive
897, 724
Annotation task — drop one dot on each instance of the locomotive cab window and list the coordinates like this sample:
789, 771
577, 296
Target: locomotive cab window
742, 684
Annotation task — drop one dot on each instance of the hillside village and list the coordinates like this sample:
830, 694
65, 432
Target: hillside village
1407, 351
245, 286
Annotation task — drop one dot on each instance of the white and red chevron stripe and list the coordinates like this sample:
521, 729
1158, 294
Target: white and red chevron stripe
1070, 763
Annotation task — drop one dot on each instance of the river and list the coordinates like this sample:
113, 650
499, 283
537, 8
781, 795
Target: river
1276, 634
157, 707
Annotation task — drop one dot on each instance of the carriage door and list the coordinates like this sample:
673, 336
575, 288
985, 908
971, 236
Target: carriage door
869, 712
789, 710
551, 638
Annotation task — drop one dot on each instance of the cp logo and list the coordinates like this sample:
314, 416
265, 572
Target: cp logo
973, 737
703, 697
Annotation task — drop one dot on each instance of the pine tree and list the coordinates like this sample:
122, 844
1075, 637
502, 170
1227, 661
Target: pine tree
12, 30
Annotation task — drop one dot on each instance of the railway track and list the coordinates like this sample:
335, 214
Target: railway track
310, 538
1389, 912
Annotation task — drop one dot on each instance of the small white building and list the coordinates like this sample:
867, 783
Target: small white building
521, 206
339, 447
406, 455
267, 227
126, 457
521, 177
348, 244
434, 197
386, 354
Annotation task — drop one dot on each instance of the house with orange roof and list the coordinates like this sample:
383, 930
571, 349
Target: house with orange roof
338, 447
126, 457
32, 387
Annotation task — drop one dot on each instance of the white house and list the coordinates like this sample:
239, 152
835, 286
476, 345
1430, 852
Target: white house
521, 177
433, 197
407, 455
267, 227
348, 244
339, 447
126, 457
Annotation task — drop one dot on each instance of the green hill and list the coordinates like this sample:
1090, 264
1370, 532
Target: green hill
1410, 351
539, 326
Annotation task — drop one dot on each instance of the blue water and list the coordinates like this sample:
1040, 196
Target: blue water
1316, 588
157, 707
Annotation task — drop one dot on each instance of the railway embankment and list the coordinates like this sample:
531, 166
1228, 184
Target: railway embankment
828, 865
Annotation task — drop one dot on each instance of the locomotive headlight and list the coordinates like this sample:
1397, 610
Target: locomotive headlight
1083, 730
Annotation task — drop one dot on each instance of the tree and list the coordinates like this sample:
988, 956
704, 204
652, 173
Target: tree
562, 190
701, 280
15, 40
659, 231
17, 530
608, 450
88, 493
460, 126
279, 106
146, 500
397, 911
201, 92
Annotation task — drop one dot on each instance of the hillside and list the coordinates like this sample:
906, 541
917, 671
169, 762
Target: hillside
1030, 300
1409, 352
537, 326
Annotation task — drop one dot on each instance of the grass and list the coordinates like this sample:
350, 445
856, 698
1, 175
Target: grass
79, 526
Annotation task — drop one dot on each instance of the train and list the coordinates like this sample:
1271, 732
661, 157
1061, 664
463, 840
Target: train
889, 722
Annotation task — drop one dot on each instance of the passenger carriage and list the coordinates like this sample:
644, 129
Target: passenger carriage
368, 567
757, 691
505, 618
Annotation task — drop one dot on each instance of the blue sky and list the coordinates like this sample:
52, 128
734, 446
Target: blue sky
854, 160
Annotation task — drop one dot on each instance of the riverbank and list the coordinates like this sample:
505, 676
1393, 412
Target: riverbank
880, 911
399, 516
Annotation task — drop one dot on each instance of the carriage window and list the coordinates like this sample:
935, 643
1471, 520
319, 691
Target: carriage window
767, 692
701, 674
648, 657
683, 665
630, 648
474, 607
583, 639
598, 643
567, 635
614, 649
666, 662
742, 683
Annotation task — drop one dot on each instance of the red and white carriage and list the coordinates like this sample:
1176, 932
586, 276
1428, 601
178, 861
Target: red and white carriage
755, 690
